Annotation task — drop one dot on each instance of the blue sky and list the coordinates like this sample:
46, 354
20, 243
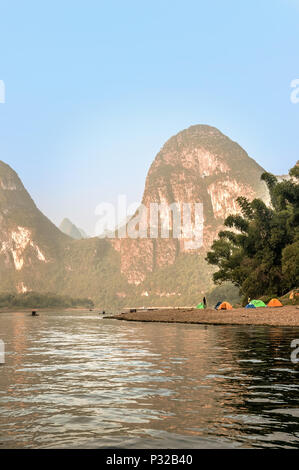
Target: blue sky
94, 89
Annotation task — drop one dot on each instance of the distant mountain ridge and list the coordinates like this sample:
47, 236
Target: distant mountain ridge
199, 164
70, 229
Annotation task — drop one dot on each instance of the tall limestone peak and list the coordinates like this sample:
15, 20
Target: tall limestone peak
200, 164
29, 241
12, 191
197, 165
17, 207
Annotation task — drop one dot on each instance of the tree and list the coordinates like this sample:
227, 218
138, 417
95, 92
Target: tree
259, 254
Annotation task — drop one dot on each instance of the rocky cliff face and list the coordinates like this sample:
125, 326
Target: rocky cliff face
198, 165
30, 244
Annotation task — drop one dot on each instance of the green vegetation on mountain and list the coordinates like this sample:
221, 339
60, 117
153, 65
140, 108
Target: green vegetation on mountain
261, 254
92, 266
47, 300
182, 284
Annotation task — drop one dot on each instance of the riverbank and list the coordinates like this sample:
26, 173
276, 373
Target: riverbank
284, 316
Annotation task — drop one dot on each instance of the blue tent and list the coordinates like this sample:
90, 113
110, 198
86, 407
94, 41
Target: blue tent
217, 305
250, 306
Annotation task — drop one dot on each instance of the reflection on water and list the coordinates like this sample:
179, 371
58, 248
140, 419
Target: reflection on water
76, 380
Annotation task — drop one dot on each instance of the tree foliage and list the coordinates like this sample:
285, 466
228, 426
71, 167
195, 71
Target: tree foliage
260, 252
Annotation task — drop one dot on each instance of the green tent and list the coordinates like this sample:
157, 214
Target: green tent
200, 306
258, 303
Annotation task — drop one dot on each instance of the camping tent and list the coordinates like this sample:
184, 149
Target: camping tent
250, 306
200, 306
217, 305
225, 306
275, 303
258, 303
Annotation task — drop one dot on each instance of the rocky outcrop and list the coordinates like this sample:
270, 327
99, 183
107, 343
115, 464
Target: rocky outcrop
198, 165
29, 243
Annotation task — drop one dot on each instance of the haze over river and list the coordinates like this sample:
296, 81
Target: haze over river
74, 379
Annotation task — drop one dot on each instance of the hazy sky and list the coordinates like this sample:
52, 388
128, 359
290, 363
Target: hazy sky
94, 89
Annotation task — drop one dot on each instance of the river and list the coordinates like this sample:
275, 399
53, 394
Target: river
74, 379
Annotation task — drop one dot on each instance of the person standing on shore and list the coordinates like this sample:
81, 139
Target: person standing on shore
204, 300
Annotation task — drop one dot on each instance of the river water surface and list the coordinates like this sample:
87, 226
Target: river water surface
74, 379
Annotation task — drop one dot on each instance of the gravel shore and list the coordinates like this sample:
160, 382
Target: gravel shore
283, 316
